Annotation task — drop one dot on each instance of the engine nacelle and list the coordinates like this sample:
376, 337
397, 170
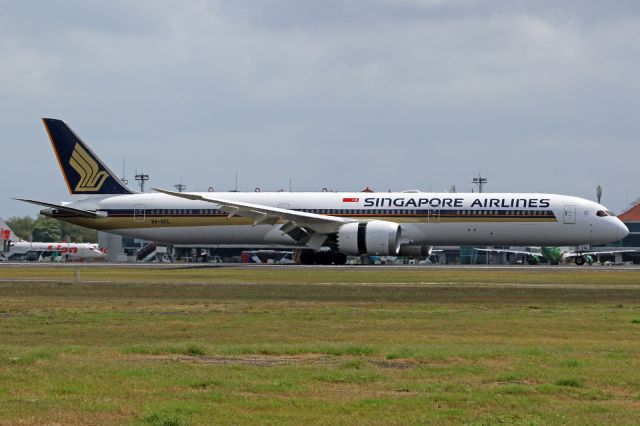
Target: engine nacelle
415, 251
377, 237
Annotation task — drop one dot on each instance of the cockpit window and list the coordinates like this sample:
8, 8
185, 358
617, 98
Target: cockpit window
603, 213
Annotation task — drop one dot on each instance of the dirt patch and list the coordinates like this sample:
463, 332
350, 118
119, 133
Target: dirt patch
275, 360
528, 382
399, 364
256, 360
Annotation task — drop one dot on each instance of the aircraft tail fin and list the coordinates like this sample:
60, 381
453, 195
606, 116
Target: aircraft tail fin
6, 233
83, 171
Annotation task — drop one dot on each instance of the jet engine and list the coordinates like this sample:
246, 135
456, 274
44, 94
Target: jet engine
377, 237
415, 251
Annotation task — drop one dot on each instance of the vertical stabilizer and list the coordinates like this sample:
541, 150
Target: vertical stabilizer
83, 171
6, 234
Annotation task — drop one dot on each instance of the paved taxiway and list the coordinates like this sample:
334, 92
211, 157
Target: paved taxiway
616, 268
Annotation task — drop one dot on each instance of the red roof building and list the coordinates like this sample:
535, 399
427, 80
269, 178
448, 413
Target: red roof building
631, 218
631, 215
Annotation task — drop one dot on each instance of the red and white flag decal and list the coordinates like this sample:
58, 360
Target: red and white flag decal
350, 200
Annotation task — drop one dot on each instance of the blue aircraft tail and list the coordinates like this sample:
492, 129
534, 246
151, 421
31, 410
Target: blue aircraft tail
83, 171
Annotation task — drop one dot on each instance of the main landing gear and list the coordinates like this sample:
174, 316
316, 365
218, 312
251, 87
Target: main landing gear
322, 258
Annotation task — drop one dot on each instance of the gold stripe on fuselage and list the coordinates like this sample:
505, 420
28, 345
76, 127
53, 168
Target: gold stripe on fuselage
153, 221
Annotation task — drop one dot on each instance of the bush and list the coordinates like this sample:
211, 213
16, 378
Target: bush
572, 383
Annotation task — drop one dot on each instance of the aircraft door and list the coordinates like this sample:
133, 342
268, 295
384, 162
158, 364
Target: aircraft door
569, 214
433, 216
138, 213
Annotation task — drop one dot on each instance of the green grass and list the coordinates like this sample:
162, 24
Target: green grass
290, 345
573, 383
285, 275
191, 349
165, 417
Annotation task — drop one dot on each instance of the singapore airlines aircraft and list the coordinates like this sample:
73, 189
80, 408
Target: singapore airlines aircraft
73, 251
327, 225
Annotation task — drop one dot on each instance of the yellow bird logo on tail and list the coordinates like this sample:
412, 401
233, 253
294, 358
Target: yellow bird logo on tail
91, 177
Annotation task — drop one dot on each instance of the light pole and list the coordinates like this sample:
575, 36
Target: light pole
142, 178
480, 181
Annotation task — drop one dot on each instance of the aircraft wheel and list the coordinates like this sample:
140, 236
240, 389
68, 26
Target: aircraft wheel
307, 258
580, 261
323, 258
339, 258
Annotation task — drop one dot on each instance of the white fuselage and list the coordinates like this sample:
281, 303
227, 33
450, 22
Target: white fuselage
424, 218
73, 251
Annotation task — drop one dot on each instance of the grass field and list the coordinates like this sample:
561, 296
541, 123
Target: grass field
319, 346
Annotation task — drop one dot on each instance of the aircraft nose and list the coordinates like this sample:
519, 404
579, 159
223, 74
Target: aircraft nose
623, 231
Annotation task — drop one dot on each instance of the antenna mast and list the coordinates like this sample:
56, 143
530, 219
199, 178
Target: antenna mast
124, 180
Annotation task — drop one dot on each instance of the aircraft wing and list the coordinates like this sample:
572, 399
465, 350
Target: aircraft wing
595, 253
530, 253
84, 213
262, 214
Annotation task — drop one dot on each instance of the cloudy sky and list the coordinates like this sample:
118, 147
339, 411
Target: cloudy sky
538, 96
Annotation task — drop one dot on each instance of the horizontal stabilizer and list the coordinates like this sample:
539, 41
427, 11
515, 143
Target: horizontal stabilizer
83, 213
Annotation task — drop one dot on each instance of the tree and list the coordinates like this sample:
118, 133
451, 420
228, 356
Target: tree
46, 230
78, 234
21, 226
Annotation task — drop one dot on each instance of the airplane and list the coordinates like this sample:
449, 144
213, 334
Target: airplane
555, 255
325, 226
16, 247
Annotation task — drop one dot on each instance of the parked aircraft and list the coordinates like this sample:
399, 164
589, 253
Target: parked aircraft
72, 251
555, 255
328, 225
